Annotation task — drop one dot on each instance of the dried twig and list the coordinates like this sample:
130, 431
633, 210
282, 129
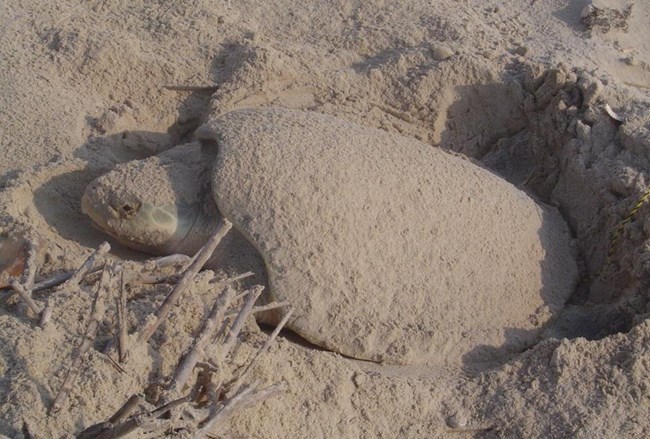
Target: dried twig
237, 381
176, 259
120, 415
112, 362
81, 272
197, 351
201, 258
55, 280
146, 275
123, 337
231, 280
119, 428
30, 266
46, 315
238, 324
97, 315
25, 285
246, 397
127, 408
146, 278
26, 295
261, 308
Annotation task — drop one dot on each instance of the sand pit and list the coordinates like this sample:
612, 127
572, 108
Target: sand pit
551, 96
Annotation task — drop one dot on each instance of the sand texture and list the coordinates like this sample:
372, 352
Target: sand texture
542, 105
390, 250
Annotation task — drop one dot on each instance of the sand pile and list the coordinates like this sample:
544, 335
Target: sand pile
554, 98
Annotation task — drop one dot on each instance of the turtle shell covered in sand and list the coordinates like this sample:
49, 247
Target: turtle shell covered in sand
389, 249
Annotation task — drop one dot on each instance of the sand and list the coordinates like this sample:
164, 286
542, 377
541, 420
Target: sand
520, 86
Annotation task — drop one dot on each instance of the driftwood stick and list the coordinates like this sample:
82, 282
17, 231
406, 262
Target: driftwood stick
267, 307
112, 362
25, 294
123, 336
55, 280
120, 415
243, 399
147, 274
30, 266
97, 314
158, 264
231, 280
197, 351
222, 411
237, 381
94, 430
237, 325
159, 411
46, 315
127, 408
118, 429
201, 258
176, 259
24, 286
78, 276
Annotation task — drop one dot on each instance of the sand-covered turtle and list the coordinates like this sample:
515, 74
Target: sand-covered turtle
388, 248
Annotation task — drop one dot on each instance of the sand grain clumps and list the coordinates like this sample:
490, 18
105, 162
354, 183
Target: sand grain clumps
389, 249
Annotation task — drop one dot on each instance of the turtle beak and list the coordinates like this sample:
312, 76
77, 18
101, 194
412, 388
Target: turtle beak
93, 204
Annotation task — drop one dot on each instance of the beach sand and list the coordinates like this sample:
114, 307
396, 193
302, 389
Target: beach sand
553, 96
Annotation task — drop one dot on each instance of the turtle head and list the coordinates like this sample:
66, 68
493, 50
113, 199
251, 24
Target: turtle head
156, 205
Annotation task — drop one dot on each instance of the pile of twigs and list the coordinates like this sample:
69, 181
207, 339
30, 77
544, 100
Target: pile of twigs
196, 400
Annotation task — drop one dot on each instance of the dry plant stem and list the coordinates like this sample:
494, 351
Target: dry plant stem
97, 430
264, 348
197, 351
46, 315
159, 263
159, 411
121, 430
222, 411
30, 267
112, 362
53, 281
170, 261
25, 294
237, 325
127, 408
78, 276
267, 307
123, 338
201, 258
96, 317
245, 398
146, 274
141, 420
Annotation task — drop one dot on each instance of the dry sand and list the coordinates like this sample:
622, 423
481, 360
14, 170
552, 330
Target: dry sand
521, 86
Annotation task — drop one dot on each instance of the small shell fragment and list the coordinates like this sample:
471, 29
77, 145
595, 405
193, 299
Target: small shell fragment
614, 115
458, 420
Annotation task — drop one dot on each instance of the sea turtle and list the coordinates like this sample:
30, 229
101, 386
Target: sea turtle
389, 249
